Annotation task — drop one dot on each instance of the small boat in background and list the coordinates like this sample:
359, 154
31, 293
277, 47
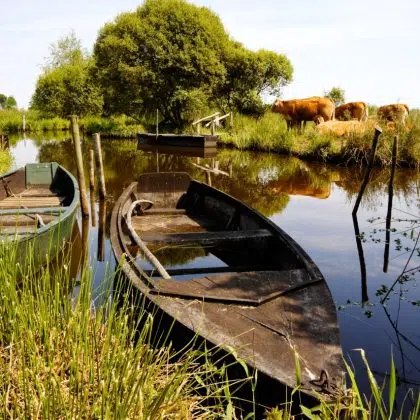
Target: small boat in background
247, 285
37, 209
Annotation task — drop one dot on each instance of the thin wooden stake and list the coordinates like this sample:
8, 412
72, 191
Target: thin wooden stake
157, 123
101, 230
93, 207
365, 297
99, 165
79, 162
389, 210
85, 243
91, 171
378, 132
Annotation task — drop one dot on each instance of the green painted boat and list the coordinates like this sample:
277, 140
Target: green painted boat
38, 206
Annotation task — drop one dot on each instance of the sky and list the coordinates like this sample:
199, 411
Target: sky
369, 48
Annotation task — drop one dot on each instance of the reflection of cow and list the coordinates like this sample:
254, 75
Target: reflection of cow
395, 112
351, 111
296, 111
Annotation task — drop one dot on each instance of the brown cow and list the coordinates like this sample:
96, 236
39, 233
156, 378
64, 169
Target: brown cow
344, 128
396, 113
296, 111
351, 111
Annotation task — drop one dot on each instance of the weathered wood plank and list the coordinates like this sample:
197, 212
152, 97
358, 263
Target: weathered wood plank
170, 223
205, 237
23, 220
164, 211
252, 287
38, 192
30, 202
211, 270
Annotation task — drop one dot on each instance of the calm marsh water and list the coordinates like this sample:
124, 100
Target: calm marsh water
312, 202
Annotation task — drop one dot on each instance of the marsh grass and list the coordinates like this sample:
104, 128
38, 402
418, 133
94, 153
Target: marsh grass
267, 133
64, 355
5, 161
353, 404
114, 126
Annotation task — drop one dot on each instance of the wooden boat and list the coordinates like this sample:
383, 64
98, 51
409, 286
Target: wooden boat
37, 209
253, 288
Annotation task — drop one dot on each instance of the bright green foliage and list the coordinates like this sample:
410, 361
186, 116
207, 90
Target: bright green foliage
250, 74
5, 161
337, 95
176, 57
7, 102
66, 51
66, 86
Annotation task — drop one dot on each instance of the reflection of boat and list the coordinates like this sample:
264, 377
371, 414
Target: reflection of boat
266, 298
179, 151
37, 208
178, 140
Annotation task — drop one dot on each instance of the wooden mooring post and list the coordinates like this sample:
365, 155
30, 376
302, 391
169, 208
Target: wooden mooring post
79, 162
99, 165
101, 231
91, 170
92, 186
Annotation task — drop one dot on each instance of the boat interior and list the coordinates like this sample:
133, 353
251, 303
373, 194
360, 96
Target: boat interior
197, 234
33, 197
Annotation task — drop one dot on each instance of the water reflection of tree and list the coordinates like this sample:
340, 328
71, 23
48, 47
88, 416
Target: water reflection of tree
177, 255
406, 183
262, 180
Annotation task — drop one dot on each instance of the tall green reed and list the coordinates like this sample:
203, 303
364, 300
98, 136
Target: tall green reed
5, 161
62, 356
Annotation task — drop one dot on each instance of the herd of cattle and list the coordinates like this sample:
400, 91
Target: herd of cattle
341, 120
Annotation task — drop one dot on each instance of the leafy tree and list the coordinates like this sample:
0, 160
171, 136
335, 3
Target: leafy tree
11, 102
3, 99
7, 102
337, 95
249, 75
176, 57
66, 51
66, 85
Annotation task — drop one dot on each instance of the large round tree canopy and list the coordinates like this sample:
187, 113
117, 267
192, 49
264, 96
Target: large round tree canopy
176, 57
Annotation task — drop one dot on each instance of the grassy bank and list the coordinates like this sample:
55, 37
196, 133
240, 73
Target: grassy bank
269, 134
5, 161
11, 121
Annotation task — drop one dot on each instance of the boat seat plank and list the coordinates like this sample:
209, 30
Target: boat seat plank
204, 238
37, 192
24, 220
253, 287
30, 202
209, 270
164, 211
17, 230
170, 223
